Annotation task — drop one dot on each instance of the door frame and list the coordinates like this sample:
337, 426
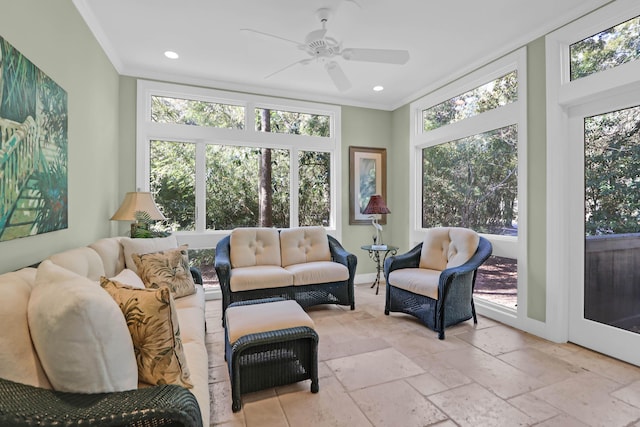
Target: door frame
564, 99
616, 342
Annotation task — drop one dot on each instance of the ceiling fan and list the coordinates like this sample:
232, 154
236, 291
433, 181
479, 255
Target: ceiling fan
325, 49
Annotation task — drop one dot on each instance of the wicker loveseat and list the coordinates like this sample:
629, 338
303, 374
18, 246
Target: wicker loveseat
303, 263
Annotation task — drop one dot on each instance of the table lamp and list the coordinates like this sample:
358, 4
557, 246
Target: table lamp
375, 207
134, 202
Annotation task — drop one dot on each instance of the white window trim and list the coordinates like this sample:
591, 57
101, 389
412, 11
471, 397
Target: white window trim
562, 95
513, 113
200, 135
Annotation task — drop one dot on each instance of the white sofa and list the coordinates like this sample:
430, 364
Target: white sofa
19, 360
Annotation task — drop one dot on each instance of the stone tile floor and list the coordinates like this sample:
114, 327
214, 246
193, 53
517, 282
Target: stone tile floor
378, 370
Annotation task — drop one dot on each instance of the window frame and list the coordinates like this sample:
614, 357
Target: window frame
512, 113
201, 136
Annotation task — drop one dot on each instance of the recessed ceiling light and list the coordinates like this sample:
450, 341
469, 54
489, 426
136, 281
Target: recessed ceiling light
171, 55
378, 88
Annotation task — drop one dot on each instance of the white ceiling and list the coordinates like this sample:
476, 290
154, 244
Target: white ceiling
445, 39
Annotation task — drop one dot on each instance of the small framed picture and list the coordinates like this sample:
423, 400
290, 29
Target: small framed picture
367, 176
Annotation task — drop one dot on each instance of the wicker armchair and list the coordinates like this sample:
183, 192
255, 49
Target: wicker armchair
434, 281
165, 405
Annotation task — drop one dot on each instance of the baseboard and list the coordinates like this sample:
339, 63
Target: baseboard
366, 278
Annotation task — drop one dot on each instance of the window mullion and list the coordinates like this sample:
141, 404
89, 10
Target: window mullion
201, 190
294, 172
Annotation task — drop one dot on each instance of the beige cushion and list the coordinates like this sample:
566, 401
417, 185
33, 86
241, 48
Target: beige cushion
153, 323
198, 361
168, 268
259, 277
446, 247
83, 261
304, 244
112, 254
129, 278
80, 334
420, 281
195, 300
254, 246
18, 359
318, 272
251, 319
145, 246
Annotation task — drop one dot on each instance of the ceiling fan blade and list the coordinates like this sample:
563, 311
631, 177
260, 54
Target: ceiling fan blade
386, 56
270, 35
338, 76
302, 61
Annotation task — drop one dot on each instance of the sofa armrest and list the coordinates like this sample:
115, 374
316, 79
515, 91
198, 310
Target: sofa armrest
409, 259
166, 405
222, 265
340, 255
197, 275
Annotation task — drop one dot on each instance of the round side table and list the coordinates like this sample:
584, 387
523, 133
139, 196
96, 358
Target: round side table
379, 254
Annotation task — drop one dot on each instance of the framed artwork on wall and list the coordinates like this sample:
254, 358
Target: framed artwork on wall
33, 148
367, 176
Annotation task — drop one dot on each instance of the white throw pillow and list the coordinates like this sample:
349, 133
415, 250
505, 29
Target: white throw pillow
145, 246
80, 334
130, 278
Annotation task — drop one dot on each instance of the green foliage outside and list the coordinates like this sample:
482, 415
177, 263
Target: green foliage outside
612, 173
173, 182
489, 96
233, 172
314, 188
615, 46
196, 113
296, 123
473, 183
612, 140
232, 187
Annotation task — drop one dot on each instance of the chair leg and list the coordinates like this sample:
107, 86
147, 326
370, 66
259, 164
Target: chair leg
441, 335
473, 311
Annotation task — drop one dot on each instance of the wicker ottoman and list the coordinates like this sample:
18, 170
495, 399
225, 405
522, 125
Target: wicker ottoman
269, 342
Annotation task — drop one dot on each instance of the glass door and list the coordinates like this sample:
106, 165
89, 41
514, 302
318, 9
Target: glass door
605, 226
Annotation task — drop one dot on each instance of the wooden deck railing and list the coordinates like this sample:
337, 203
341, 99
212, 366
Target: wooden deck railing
612, 279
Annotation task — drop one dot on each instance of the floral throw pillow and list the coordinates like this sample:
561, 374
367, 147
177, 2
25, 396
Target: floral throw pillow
153, 323
166, 268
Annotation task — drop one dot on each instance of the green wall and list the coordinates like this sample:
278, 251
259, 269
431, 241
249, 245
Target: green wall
53, 36
398, 179
362, 127
537, 181
127, 150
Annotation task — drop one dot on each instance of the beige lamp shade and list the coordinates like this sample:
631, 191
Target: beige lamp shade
135, 202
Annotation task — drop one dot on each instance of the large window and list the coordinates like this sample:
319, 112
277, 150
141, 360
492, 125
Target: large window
467, 148
473, 182
217, 160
